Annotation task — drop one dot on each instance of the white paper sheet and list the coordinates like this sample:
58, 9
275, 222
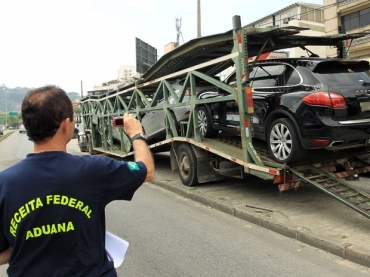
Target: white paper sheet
116, 248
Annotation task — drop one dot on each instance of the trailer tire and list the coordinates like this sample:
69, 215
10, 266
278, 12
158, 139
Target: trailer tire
205, 123
187, 162
283, 142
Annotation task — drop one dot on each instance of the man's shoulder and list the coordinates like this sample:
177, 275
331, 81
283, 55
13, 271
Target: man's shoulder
11, 169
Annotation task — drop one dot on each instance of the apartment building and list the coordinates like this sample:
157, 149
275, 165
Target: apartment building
127, 74
349, 16
299, 14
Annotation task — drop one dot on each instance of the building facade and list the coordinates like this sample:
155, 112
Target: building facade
127, 74
299, 14
169, 47
349, 16
301, 11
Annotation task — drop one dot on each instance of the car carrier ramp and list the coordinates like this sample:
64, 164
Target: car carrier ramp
335, 187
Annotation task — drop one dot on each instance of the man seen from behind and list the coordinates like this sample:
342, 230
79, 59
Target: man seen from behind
52, 203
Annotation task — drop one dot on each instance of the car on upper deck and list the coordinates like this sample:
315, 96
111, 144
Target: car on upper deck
154, 122
299, 104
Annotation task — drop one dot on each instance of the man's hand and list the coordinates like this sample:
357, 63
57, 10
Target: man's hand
132, 125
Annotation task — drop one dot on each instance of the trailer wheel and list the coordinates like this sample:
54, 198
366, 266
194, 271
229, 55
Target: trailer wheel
205, 123
283, 142
187, 165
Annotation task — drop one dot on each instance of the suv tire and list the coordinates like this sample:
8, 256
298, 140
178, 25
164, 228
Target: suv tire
283, 142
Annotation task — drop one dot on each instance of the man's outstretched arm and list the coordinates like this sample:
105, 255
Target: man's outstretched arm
142, 152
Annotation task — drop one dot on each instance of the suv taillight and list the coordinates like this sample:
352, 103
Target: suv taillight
324, 98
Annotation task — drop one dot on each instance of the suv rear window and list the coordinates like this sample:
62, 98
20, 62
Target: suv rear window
351, 73
341, 66
345, 79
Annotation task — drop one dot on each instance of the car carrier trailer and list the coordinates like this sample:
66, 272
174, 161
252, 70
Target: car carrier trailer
200, 159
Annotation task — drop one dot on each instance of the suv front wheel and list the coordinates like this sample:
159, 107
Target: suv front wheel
283, 142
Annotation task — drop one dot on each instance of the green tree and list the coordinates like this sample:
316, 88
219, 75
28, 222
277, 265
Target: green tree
77, 109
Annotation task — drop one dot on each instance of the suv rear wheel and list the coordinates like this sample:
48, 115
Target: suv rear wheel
283, 142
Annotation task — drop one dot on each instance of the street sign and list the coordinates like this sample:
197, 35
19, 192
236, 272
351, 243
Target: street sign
13, 113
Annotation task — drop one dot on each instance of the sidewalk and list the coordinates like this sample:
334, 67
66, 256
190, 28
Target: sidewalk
306, 214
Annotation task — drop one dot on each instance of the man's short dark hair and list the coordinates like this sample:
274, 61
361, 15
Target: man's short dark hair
43, 110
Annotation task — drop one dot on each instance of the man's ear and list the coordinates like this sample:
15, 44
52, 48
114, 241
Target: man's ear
65, 125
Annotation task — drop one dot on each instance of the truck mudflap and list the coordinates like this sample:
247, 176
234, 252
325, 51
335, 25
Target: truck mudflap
335, 187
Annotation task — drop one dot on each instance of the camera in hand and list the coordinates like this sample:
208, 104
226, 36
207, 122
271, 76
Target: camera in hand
118, 121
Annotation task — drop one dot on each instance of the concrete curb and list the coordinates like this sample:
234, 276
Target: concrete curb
353, 253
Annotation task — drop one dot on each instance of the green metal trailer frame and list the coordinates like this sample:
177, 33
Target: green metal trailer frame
203, 58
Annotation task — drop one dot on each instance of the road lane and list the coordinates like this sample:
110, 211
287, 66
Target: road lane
170, 235
13, 149
173, 236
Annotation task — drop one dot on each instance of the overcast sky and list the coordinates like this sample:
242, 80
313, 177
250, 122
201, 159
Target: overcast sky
64, 42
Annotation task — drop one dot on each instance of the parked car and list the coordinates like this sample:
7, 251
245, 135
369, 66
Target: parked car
22, 129
299, 104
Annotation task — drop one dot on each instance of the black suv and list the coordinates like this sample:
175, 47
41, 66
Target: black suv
299, 104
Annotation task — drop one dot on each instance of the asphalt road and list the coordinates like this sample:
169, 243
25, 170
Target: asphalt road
171, 235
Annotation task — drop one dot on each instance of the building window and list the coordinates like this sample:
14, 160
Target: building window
344, 2
290, 15
312, 14
365, 17
355, 20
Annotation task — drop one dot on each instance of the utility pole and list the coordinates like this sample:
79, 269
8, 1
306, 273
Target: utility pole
198, 16
6, 113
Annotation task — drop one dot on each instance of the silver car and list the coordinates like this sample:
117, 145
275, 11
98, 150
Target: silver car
154, 122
